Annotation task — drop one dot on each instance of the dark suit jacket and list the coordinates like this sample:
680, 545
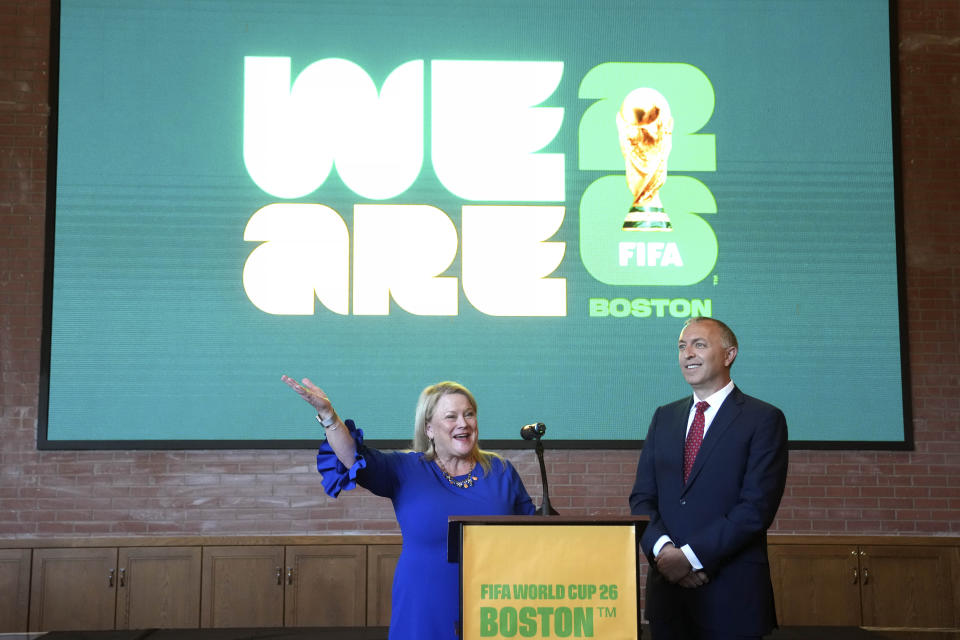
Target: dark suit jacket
723, 511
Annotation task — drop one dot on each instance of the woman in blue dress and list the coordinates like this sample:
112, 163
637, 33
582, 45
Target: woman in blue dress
445, 474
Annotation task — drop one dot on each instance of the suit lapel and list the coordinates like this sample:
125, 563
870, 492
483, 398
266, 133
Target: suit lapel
724, 419
678, 435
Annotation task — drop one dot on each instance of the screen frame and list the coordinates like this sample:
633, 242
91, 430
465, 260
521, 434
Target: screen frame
45, 443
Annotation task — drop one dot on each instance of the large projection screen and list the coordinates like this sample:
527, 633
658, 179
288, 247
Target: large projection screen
526, 197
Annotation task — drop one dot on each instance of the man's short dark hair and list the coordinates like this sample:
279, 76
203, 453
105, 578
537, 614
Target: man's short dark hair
727, 336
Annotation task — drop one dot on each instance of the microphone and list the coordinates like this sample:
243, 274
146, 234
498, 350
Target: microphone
535, 431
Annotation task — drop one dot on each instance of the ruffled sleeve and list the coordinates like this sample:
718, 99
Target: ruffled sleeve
337, 477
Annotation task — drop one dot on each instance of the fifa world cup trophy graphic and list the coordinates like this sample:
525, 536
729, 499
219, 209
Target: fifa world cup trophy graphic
646, 135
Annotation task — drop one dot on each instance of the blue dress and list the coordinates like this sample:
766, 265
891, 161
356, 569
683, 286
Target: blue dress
426, 588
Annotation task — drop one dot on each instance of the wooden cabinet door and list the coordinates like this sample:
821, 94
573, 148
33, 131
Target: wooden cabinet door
242, 586
816, 585
73, 589
158, 587
909, 586
15, 587
381, 565
326, 586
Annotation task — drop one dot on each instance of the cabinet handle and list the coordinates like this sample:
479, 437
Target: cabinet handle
123, 577
280, 575
866, 575
110, 578
855, 576
289, 575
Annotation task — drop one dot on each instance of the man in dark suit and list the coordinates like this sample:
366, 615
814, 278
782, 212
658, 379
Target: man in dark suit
711, 475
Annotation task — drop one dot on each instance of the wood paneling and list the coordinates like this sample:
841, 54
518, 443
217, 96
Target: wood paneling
15, 587
816, 585
912, 584
158, 587
275, 581
73, 589
242, 586
326, 586
909, 586
381, 565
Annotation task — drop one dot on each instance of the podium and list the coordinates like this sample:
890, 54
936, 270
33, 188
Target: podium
535, 576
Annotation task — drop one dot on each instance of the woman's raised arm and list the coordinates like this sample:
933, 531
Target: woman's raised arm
334, 430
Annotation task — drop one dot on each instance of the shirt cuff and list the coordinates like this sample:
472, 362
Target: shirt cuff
662, 540
692, 557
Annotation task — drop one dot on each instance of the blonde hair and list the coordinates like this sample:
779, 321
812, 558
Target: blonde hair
426, 405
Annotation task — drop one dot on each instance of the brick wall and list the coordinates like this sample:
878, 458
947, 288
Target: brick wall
223, 492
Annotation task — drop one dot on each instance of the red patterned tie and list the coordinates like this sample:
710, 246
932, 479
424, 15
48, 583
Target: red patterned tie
694, 439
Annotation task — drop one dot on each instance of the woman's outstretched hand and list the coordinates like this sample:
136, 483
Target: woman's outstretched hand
340, 440
313, 395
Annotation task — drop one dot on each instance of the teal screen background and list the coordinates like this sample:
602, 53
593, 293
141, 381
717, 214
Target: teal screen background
153, 341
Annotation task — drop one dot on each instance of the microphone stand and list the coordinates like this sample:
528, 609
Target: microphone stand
535, 431
545, 508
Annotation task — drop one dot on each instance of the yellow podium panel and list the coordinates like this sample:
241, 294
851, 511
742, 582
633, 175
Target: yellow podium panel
558, 581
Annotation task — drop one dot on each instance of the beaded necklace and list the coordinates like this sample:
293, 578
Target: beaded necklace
463, 484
